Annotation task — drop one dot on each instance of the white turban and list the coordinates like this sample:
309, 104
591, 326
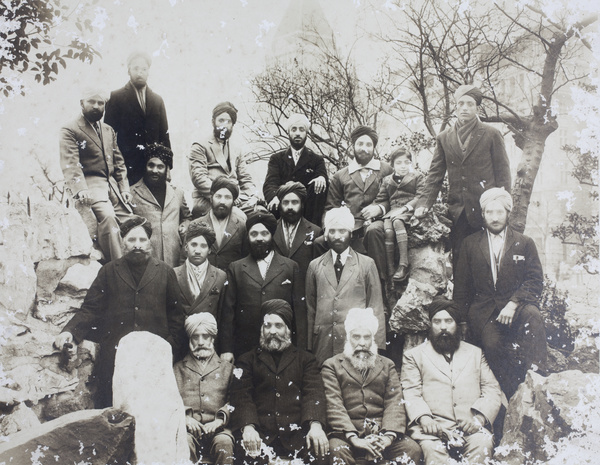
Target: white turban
296, 119
496, 193
339, 218
361, 318
202, 320
90, 92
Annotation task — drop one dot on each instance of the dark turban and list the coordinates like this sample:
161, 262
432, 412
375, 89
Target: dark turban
200, 228
223, 182
265, 218
440, 303
135, 55
133, 222
225, 107
294, 187
471, 91
161, 152
279, 307
364, 130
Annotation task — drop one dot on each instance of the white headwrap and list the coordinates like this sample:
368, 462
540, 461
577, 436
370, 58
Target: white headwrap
339, 218
90, 92
361, 318
297, 119
202, 320
496, 193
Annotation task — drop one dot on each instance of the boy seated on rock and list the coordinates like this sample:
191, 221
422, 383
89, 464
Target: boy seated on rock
203, 380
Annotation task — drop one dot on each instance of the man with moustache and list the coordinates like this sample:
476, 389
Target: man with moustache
229, 224
262, 275
278, 400
217, 156
95, 172
203, 380
133, 293
356, 186
365, 409
498, 283
138, 116
336, 281
298, 163
295, 235
474, 156
450, 393
162, 204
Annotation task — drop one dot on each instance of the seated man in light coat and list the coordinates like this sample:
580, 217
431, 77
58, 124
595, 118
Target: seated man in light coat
203, 380
452, 397
365, 409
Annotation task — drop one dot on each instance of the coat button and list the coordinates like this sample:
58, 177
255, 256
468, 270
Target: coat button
277, 395
136, 308
263, 292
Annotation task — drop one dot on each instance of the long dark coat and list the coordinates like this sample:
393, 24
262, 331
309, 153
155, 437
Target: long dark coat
245, 294
282, 169
135, 128
116, 306
520, 277
278, 399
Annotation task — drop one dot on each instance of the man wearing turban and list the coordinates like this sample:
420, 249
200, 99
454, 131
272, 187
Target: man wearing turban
295, 236
277, 398
162, 204
365, 409
356, 186
497, 285
203, 380
337, 281
262, 275
451, 395
95, 172
300, 164
138, 116
217, 156
474, 156
133, 293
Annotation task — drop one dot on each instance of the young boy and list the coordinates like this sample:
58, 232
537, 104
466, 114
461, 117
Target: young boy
399, 190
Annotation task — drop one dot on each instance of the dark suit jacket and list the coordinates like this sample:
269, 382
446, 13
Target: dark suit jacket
353, 192
234, 244
282, 169
278, 399
393, 195
352, 399
483, 166
135, 128
246, 292
520, 277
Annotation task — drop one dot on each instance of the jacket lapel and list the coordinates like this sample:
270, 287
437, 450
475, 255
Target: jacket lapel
124, 273
509, 242
185, 285
406, 180
328, 269
370, 180
289, 159
374, 372
459, 361
90, 132
352, 372
274, 269
287, 357
207, 285
133, 99
478, 132
349, 269
267, 359
231, 229
251, 269
437, 360
218, 153
279, 239
484, 246
300, 237
169, 195
303, 160
358, 180
150, 273
142, 190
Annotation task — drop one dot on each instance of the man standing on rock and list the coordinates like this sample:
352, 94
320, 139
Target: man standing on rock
498, 283
134, 293
138, 116
94, 170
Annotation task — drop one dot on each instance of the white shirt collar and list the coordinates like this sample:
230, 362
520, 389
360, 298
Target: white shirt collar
343, 256
374, 165
268, 258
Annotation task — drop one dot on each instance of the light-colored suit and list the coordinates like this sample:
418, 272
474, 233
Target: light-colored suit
165, 240
328, 301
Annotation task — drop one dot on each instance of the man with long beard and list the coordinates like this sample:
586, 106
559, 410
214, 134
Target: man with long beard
134, 293
203, 380
162, 204
365, 410
300, 164
262, 275
217, 156
452, 396
278, 400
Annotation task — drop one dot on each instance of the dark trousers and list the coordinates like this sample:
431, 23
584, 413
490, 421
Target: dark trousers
374, 246
308, 457
511, 351
218, 447
461, 229
401, 451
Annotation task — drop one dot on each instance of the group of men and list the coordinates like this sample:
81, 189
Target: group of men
292, 292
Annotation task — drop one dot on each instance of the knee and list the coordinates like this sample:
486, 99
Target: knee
340, 452
531, 315
399, 226
375, 229
413, 450
390, 235
491, 338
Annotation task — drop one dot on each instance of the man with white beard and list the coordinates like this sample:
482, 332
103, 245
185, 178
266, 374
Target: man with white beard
365, 409
203, 380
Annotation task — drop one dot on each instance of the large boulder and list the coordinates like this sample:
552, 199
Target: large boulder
547, 417
144, 386
88, 436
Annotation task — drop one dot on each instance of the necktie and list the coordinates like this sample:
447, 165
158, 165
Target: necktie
338, 268
96, 127
142, 97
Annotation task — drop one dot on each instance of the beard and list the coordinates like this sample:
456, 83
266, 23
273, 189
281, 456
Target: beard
137, 256
359, 358
221, 211
298, 142
291, 216
93, 115
202, 353
362, 157
444, 342
155, 179
221, 133
259, 250
274, 342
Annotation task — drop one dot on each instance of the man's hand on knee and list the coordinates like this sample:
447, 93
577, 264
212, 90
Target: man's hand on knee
507, 314
251, 441
316, 439
430, 426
